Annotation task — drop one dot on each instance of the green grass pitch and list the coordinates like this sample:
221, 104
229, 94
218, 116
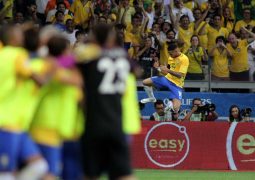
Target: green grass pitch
151, 174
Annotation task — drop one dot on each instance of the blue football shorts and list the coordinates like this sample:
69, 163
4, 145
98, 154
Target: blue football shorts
163, 82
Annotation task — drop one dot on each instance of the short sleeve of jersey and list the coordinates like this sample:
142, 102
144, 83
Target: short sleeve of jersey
184, 64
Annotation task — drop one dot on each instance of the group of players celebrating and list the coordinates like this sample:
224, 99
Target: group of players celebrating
51, 94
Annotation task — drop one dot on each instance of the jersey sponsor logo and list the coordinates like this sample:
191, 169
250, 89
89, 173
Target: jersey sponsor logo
166, 149
241, 146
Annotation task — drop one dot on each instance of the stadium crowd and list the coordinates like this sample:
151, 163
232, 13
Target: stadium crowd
220, 32
215, 32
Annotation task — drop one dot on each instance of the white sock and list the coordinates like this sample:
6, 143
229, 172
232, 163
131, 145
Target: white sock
33, 171
7, 176
169, 105
149, 91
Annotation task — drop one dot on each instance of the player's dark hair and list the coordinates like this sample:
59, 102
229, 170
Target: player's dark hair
172, 46
158, 102
101, 33
31, 39
57, 45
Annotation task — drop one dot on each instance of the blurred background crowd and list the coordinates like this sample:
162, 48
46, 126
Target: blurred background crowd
216, 34
213, 33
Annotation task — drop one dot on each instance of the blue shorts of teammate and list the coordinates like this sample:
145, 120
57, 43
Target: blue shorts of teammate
71, 156
15, 148
53, 157
163, 82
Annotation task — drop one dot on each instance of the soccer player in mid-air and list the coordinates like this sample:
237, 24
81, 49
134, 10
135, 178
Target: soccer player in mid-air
105, 70
173, 79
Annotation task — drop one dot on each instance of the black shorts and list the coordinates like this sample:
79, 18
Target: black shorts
107, 153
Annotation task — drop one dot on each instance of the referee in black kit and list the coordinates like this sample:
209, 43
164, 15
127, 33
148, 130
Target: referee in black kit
104, 68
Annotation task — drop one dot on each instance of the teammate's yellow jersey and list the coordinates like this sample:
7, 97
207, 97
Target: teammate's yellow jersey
130, 111
178, 64
55, 118
29, 92
12, 66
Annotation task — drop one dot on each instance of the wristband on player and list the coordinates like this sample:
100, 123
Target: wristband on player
159, 70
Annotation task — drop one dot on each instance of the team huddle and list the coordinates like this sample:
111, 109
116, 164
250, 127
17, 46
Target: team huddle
52, 94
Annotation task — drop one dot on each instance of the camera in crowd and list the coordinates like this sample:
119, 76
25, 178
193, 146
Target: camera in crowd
246, 112
206, 108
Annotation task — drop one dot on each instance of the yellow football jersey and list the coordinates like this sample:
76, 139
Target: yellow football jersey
178, 64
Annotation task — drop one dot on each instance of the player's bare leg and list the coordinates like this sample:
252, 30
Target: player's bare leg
176, 105
149, 91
